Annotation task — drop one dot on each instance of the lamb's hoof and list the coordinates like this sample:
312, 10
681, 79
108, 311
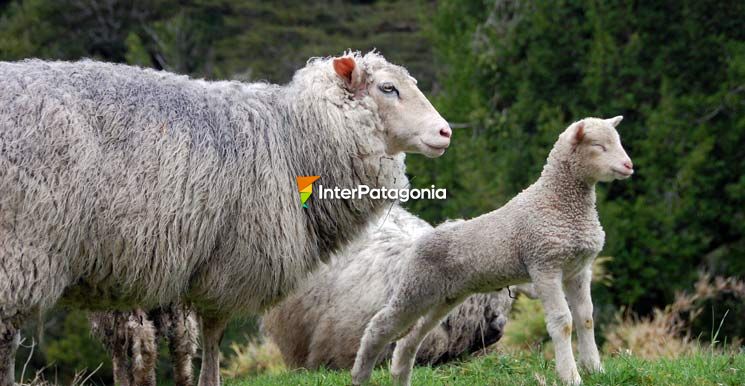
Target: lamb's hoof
401, 379
572, 379
593, 367
359, 378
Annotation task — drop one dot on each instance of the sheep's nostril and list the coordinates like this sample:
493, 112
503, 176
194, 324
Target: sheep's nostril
628, 165
446, 132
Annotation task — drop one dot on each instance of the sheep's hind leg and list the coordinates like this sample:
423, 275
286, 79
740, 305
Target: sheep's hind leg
182, 345
144, 346
212, 331
404, 355
580, 302
558, 323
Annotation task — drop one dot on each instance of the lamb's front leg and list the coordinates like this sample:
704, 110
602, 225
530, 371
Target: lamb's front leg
212, 331
548, 287
404, 355
580, 302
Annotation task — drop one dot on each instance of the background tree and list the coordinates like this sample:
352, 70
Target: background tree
519, 72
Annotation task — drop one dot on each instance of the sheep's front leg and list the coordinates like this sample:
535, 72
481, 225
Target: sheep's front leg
212, 331
10, 338
404, 355
548, 287
580, 302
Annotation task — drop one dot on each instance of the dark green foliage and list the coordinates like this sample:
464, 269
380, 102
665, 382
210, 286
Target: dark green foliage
518, 73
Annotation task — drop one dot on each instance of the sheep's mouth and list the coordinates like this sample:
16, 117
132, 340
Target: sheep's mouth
437, 148
623, 173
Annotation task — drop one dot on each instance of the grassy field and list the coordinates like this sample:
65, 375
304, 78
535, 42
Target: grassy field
527, 369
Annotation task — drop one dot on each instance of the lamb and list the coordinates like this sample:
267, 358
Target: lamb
320, 324
549, 234
132, 340
122, 187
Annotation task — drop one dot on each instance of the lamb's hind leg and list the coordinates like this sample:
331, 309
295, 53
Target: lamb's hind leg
404, 355
410, 301
384, 327
580, 302
558, 322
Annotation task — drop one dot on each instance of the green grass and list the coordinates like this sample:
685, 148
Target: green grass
527, 369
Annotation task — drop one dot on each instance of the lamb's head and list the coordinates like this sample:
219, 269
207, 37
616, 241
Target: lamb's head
596, 150
410, 122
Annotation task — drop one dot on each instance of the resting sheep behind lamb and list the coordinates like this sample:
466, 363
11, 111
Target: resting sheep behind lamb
549, 234
321, 323
124, 187
132, 340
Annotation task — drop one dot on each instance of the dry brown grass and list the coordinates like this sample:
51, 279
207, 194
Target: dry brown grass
667, 332
254, 358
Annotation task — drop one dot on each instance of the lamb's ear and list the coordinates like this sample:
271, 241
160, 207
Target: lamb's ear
615, 120
578, 132
349, 71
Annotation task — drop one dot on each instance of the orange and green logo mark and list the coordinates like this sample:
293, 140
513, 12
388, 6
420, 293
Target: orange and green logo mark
305, 187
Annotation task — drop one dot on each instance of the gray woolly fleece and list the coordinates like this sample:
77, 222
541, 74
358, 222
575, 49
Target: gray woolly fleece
124, 187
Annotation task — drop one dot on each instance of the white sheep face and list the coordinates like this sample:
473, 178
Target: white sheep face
599, 152
410, 121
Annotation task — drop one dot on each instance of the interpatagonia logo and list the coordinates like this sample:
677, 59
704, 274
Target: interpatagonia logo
305, 187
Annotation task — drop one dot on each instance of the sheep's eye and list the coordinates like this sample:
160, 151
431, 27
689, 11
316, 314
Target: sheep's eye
599, 145
388, 88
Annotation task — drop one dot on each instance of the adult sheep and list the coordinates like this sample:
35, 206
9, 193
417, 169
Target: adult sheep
321, 323
122, 187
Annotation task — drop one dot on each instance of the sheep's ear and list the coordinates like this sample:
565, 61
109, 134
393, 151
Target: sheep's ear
615, 120
349, 71
578, 132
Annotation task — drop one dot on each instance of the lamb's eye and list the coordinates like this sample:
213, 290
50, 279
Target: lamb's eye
388, 88
601, 147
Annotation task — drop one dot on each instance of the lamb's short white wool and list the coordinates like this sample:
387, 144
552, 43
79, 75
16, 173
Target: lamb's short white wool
548, 234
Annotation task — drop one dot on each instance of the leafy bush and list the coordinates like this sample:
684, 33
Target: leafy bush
517, 73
